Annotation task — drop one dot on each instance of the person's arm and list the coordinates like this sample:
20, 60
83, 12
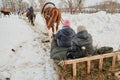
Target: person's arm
57, 35
73, 43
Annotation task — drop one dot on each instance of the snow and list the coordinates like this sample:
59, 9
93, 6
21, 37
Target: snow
23, 56
30, 61
103, 27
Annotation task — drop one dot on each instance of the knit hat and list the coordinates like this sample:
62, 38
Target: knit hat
66, 23
81, 28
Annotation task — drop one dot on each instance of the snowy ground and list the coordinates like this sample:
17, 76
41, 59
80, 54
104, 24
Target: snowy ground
30, 61
23, 55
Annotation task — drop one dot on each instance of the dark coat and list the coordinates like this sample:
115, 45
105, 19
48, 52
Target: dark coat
57, 53
31, 13
31, 10
83, 39
64, 37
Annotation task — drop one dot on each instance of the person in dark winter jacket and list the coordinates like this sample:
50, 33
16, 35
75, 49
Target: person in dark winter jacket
65, 35
82, 42
31, 10
31, 15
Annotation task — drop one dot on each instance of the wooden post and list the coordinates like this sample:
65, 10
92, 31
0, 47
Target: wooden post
60, 77
113, 61
74, 71
100, 63
88, 66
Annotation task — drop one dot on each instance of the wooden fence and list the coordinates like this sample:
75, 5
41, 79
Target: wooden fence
88, 60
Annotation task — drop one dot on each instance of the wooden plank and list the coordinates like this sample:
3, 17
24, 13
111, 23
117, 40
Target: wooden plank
91, 58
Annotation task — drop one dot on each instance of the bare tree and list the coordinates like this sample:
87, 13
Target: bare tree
3, 2
41, 2
72, 5
14, 5
24, 6
32, 3
78, 6
69, 5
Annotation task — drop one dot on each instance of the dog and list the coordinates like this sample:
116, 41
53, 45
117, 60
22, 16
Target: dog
5, 12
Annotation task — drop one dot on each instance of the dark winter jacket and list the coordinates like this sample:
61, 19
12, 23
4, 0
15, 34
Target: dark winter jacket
31, 13
31, 10
57, 53
83, 39
64, 37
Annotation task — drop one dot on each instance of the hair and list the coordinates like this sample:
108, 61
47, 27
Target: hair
81, 28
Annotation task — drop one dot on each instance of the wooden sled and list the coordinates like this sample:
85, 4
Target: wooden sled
73, 62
